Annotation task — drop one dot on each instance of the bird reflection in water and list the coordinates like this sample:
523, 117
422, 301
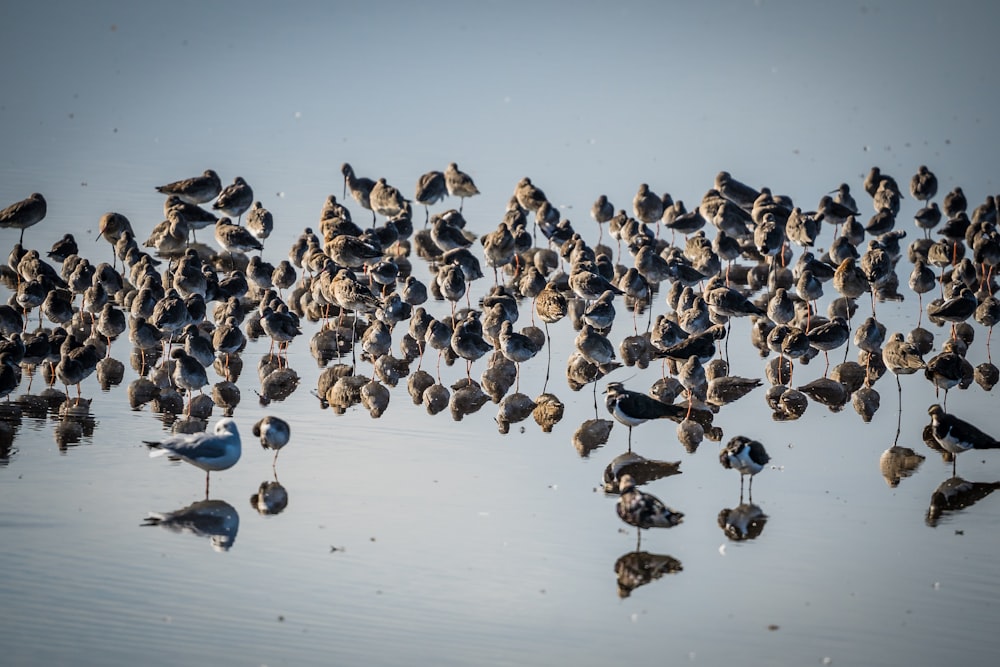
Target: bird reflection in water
327, 379
499, 376
375, 398
514, 408
743, 522
467, 398
638, 568
787, 404
227, 396
418, 382
345, 392
10, 422
548, 411
898, 463
277, 380
956, 494
641, 469
271, 498
215, 519
76, 422
110, 372
591, 434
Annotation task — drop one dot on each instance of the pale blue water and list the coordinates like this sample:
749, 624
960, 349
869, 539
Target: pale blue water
415, 538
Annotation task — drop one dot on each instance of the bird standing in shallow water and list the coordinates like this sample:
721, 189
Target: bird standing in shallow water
235, 199
459, 184
746, 456
644, 510
386, 199
188, 374
233, 238
24, 214
901, 358
431, 188
956, 435
360, 187
197, 190
63, 248
924, 184
260, 222
956, 309
647, 206
274, 433
948, 368
633, 408
602, 211
219, 450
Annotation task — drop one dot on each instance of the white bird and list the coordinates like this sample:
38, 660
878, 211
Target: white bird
746, 456
219, 450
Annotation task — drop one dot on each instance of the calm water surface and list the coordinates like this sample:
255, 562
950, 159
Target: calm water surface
425, 538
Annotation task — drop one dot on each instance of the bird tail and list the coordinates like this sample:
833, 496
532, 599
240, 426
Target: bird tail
155, 449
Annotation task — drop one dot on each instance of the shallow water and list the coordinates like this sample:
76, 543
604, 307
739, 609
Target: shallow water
419, 537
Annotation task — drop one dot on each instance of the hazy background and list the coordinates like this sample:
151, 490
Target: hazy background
590, 99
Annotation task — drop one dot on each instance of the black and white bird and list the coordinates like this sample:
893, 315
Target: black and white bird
955, 435
746, 456
633, 408
274, 433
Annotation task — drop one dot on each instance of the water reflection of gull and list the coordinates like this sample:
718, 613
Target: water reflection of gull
215, 519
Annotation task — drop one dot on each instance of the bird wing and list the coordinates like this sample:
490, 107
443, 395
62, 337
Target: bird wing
198, 445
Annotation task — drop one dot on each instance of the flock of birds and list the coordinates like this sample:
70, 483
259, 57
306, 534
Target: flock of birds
187, 307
